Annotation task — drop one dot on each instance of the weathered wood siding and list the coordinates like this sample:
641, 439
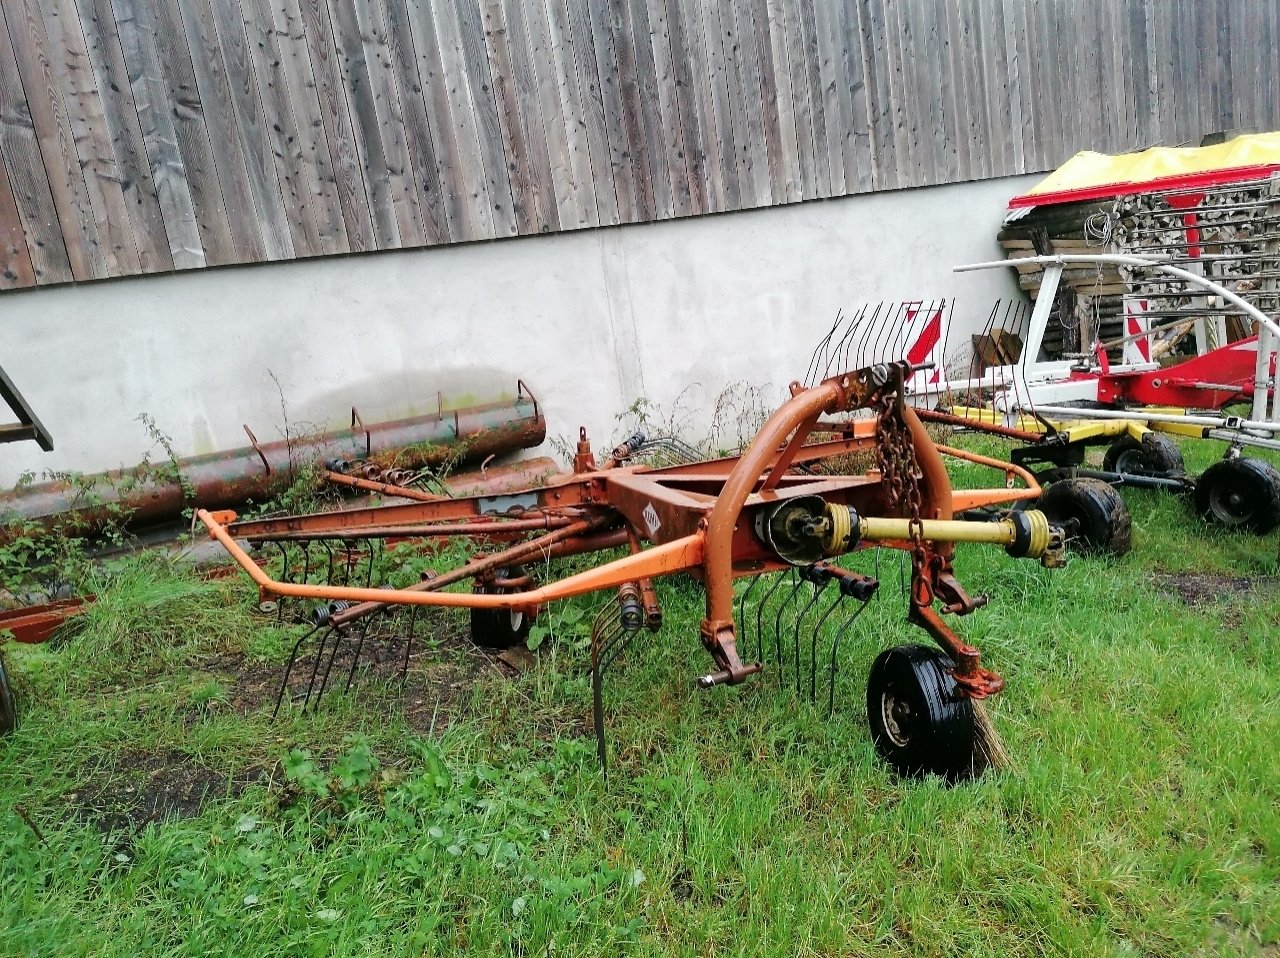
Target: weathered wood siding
141, 136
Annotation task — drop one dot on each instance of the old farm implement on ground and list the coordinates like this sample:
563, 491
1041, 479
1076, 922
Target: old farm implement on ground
28, 428
1055, 409
773, 510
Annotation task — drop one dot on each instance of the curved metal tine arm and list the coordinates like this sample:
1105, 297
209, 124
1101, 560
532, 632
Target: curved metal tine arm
817, 633
408, 644
288, 668
284, 577
339, 635
355, 659
349, 547
321, 645
605, 630
371, 549
777, 624
778, 579
795, 638
742, 607
842, 630
328, 548
337, 646
815, 359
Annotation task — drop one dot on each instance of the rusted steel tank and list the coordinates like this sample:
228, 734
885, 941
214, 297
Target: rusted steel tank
154, 493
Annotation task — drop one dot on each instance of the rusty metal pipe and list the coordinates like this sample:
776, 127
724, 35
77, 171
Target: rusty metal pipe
147, 495
492, 561
495, 480
950, 419
484, 527
383, 488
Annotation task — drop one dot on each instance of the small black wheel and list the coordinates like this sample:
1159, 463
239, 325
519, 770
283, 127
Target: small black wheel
920, 724
499, 628
1155, 455
1241, 493
1092, 515
8, 706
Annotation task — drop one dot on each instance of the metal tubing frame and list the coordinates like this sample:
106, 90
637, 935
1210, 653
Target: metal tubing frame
697, 530
1269, 330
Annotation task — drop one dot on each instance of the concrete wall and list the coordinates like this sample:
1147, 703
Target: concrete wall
592, 320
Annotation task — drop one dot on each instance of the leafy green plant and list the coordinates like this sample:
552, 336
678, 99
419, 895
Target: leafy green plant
566, 623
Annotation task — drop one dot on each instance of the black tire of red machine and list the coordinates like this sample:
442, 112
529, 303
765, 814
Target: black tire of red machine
1155, 455
919, 722
1095, 516
1240, 493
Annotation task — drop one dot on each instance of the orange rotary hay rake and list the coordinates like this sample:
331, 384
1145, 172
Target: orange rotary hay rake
775, 510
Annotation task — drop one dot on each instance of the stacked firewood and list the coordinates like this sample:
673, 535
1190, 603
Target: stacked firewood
1090, 298
1228, 233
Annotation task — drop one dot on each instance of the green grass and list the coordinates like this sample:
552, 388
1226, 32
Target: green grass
1143, 817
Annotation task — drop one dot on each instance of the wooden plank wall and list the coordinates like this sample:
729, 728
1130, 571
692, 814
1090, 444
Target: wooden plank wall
141, 136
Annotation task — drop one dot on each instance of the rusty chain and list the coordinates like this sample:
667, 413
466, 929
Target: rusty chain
896, 459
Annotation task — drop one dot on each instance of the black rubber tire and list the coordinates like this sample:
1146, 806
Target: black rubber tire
1241, 493
1155, 455
8, 705
499, 628
1100, 519
920, 725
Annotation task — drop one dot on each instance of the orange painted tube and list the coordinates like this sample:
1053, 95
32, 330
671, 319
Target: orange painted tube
963, 499
676, 556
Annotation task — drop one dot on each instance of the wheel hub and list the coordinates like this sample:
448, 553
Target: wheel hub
896, 712
1230, 505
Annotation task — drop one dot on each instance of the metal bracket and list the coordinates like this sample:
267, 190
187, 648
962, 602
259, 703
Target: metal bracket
253, 441
368, 437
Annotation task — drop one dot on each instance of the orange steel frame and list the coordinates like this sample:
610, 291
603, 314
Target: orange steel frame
696, 518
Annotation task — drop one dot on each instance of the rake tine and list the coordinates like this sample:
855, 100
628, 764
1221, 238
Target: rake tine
815, 356
349, 546
777, 624
742, 605
355, 659
288, 668
599, 639
858, 334
284, 577
375, 548
408, 644
315, 666
844, 629
328, 575
860, 356
831, 355
760, 613
306, 561
616, 645
284, 560
841, 351
333, 657
817, 631
818, 586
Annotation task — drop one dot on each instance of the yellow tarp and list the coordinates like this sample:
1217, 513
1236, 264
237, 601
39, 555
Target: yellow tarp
1096, 171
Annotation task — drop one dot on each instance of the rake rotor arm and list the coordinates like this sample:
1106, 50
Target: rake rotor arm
677, 556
